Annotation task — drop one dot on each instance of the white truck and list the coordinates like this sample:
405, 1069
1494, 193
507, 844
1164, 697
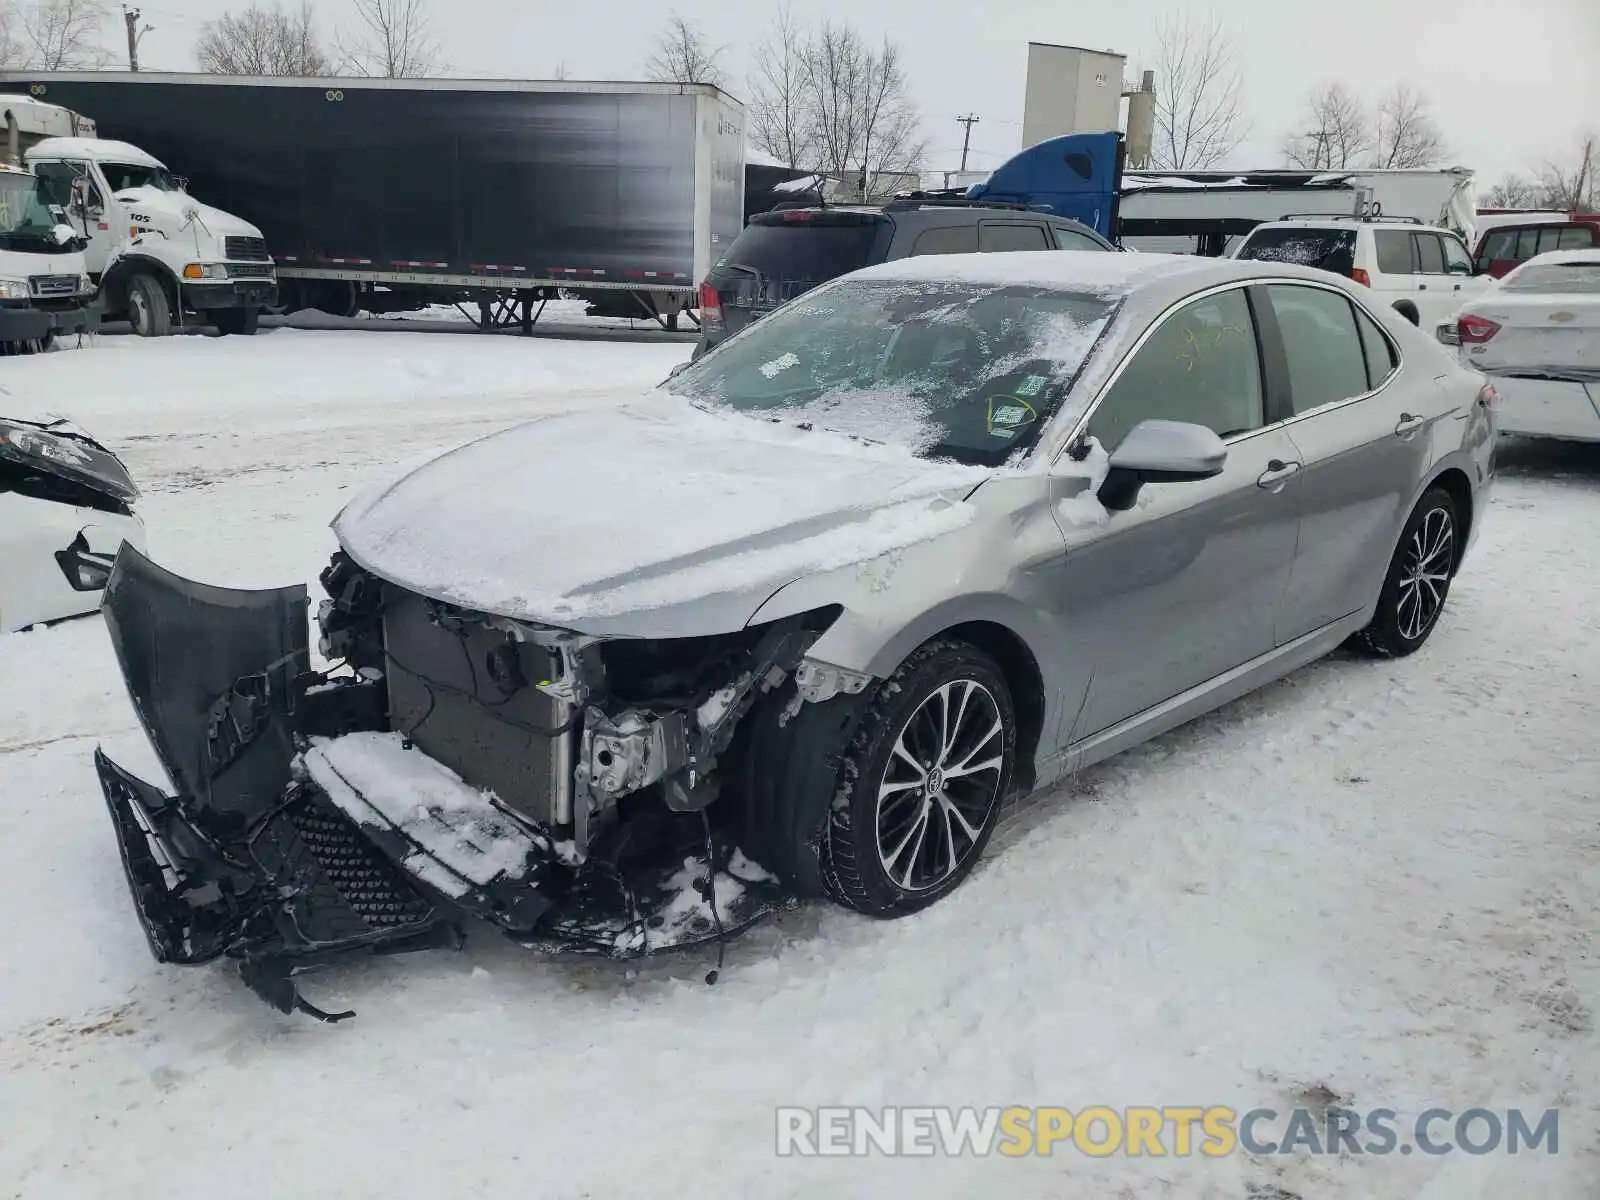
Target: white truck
44, 285
153, 251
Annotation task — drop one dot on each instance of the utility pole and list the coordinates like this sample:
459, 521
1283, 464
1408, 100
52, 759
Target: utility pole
969, 121
130, 18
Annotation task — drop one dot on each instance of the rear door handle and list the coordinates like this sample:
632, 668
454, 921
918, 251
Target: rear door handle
1276, 473
1408, 425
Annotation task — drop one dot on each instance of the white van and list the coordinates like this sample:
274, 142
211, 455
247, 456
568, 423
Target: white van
1422, 272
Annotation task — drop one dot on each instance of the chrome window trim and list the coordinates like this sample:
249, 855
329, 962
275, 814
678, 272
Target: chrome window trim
1081, 424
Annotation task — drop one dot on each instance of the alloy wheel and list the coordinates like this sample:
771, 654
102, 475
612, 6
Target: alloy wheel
940, 785
1425, 574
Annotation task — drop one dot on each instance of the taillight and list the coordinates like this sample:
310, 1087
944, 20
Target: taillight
1360, 276
1476, 330
710, 307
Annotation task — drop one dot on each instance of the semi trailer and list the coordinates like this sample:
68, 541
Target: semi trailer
392, 195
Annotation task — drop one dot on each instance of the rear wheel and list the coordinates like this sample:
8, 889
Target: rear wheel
1418, 582
149, 311
923, 783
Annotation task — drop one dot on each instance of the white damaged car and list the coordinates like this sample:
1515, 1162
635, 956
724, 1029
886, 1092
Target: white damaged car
65, 511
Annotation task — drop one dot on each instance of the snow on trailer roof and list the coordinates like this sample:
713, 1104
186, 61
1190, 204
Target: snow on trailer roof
94, 149
350, 83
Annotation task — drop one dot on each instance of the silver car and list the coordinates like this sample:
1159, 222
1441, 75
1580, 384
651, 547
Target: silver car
798, 622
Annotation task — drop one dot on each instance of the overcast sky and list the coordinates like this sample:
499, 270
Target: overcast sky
1511, 83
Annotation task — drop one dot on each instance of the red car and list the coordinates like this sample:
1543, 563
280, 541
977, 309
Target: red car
1514, 236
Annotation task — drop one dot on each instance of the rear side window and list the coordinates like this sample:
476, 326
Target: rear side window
1430, 255
1381, 358
1577, 237
1327, 249
1068, 239
1327, 361
802, 251
992, 237
952, 239
1394, 251
1501, 243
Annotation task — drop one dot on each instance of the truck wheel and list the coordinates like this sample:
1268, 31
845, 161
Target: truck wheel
148, 309
241, 321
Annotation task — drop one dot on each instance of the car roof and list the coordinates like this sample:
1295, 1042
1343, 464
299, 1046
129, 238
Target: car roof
1165, 277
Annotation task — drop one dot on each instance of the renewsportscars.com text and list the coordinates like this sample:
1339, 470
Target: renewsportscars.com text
1179, 1131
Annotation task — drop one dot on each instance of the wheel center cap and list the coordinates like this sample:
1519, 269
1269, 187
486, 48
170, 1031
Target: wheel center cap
935, 781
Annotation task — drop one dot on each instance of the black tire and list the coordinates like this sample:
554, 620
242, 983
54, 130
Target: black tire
149, 311
1417, 583
240, 322
894, 871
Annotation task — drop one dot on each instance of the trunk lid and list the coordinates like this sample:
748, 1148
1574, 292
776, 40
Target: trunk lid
1554, 336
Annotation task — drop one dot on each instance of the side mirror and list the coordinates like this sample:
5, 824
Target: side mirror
1160, 452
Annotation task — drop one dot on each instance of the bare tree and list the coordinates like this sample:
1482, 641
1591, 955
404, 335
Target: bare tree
262, 41
1336, 135
863, 122
1199, 115
561, 71
1573, 186
683, 55
393, 40
781, 121
1406, 133
1514, 191
12, 52
62, 35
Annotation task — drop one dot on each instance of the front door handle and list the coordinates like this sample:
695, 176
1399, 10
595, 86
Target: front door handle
1408, 425
1276, 473
1422, 287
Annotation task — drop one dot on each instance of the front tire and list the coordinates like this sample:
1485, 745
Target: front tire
922, 783
1418, 580
149, 311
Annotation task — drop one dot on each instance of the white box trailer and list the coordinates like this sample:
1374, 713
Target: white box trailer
1205, 211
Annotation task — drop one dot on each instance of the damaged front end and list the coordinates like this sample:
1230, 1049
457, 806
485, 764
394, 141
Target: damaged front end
449, 764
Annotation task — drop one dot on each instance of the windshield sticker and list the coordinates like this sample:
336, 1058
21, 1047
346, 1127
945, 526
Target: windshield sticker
781, 363
1005, 420
1031, 385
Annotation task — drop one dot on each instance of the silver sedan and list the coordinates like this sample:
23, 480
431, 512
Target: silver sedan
936, 533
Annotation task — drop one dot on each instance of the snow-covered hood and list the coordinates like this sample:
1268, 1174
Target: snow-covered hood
651, 519
175, 208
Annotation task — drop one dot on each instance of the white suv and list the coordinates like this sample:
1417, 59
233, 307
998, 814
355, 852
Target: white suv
1424, 273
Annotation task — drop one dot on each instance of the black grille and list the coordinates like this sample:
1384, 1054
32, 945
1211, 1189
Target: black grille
247, 249
249, 270
53, 285
365, 881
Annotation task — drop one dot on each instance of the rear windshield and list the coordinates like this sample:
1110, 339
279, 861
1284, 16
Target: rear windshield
807, 251
1327, 249
1567, 278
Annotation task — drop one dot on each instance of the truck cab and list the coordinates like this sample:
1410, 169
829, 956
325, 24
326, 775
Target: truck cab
44, 285
154, 252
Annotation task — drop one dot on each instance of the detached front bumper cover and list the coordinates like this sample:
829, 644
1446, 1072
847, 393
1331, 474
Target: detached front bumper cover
272, 855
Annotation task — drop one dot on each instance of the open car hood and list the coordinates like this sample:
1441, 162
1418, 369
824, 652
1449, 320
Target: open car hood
654, 519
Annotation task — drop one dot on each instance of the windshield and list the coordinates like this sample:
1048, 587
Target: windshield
952, 370
1327, 249
1579, 277
122, 176
23, 211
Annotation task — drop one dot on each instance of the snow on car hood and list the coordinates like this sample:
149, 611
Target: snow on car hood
176, 207
652, 519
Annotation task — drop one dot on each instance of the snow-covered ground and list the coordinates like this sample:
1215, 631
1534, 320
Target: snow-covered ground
1372, 880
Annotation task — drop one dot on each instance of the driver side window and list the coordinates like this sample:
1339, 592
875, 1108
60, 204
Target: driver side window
1200, 365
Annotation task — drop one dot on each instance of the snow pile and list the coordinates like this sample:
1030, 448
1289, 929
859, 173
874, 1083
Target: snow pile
465, 837
632, 507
